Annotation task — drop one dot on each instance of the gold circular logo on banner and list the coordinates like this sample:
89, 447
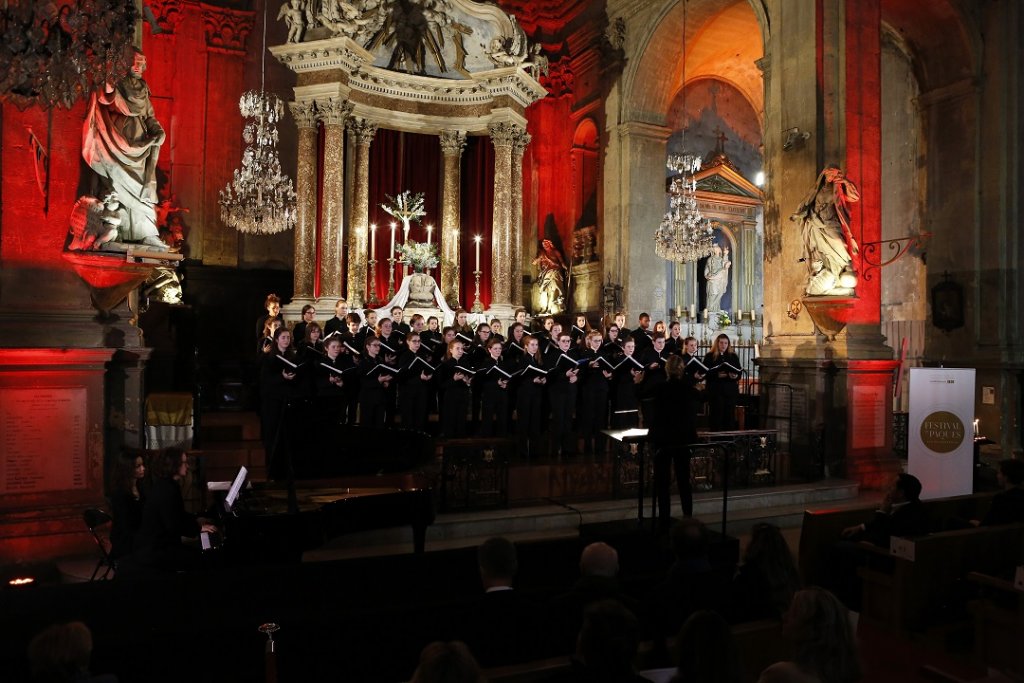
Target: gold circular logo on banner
942, 432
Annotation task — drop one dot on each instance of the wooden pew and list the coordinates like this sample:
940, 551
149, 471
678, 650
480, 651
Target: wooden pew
901, 591
998, 623
822, 528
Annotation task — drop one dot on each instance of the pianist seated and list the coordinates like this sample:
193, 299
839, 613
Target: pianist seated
159, 545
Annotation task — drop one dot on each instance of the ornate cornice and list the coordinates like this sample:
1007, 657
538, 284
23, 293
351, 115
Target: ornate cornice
226, 29
304, 114
333, 111
453, 142
362, 129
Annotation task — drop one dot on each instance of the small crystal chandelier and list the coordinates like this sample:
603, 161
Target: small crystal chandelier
260, 199
684, 234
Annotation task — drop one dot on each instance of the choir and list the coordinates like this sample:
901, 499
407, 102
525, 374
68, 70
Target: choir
553, 389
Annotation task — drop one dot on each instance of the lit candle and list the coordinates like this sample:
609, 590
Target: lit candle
739, 315
977, 423
391, 254
693, 310
430, 229
705, 314
478, 239
373, 240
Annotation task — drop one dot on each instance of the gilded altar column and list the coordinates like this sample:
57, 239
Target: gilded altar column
453, 142
519, 145
502, 136
332, 113
305, 205
358, 237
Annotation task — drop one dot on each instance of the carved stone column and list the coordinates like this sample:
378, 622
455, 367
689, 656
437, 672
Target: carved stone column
305, 205
453, 142
519, 145
503, 136
332, 114
358, 236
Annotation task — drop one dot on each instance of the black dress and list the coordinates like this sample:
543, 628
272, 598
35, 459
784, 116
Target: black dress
413, 390
164, 521
126, 511
373, 395
722, 391
493, 397
562, 398
593, 405
275, 393
455, 396
673, 428
530, 405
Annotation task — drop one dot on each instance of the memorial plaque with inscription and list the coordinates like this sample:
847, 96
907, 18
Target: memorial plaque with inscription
867, 417
45, 434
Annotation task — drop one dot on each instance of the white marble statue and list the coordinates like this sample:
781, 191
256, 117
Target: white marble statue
824, 218
539, 64
121, 142
716, 272
294, 15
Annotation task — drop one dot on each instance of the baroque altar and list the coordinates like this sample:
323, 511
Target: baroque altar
446, 68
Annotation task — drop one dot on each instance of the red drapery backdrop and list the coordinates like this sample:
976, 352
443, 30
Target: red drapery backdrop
477, 214
398, 162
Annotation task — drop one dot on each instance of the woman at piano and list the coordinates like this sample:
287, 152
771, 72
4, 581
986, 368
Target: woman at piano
375, 379
279, 381
414, 377
594, 382
454, 378
126, 502
722, 384
493, 381
530, 386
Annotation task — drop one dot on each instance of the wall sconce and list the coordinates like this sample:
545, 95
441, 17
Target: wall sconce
795, 138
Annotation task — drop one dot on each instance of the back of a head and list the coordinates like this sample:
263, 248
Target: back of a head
60, 652
497, 559
689, 540
705, 651
819, 625
447, 663
910, 485
770, 555
599, 559
608, 640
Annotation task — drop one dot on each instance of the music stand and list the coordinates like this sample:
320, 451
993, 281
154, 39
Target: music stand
634, 435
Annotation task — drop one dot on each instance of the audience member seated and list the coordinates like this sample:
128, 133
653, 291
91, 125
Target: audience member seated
61, 653
126, 503
447, 663
606, 648
692, 583
1008, 504
705, 651
901, 514
501, 626
599, 569
158, 545
766, 581
825, 647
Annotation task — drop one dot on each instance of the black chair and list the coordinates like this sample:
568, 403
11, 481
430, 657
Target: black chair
98, 523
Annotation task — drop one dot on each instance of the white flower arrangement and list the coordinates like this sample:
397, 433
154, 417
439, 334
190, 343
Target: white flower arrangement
723, 319
419, 255
405, 207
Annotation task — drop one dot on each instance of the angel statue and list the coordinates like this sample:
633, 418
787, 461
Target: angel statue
551, 279
293, 14
509, 50
824, 218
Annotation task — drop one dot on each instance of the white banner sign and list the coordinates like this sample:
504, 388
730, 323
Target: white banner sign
941, 430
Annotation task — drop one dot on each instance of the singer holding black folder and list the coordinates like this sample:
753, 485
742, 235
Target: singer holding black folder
562, 379
374, 379
413, 383
493, 378
593, 410
454, 379
723, 389
278, 374
530, 397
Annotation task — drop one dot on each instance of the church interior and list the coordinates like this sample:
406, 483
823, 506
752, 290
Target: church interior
833, 186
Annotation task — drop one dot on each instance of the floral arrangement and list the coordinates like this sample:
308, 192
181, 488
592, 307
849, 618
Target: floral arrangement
405, 207
419, 255
723, 319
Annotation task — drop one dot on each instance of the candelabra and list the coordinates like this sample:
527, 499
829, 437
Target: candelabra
371, 291
391, 277
478, 305
689, 323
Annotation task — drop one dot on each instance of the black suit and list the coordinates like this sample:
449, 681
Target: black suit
907, 520
1007, 508
502, 628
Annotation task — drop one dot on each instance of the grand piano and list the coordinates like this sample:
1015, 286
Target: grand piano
344, 480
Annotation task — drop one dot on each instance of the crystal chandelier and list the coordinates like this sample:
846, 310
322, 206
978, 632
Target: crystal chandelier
260, 199
684, 234
53, 54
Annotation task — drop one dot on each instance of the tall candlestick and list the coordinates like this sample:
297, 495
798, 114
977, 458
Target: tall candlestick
392, 252
430, 229
373, 240
478, 239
